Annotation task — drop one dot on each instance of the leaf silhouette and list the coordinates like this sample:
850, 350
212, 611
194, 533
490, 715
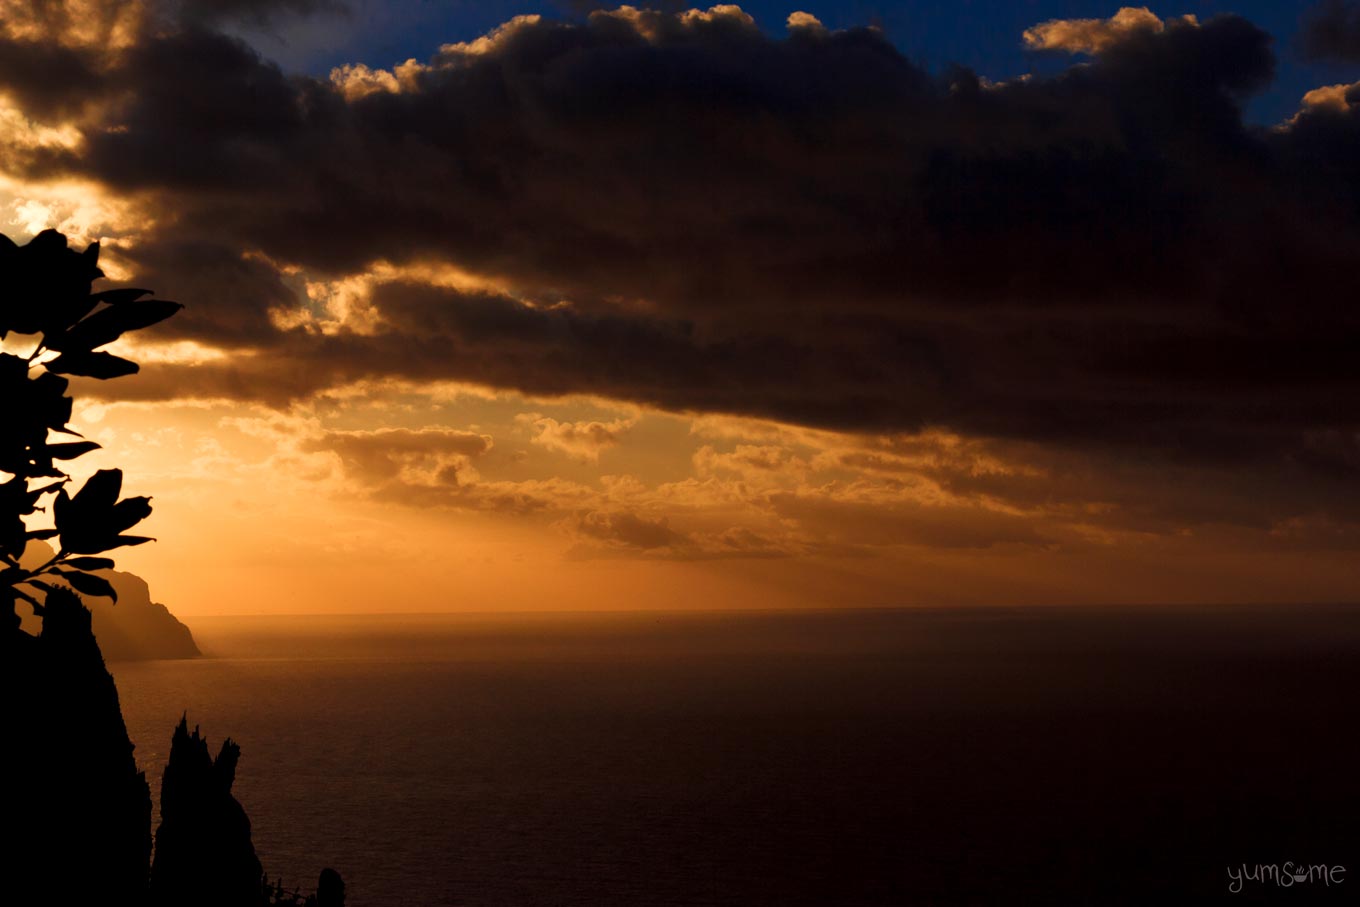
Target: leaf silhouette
89, 584
71, 450
92, 365
107, 325
90, 563
13, 538
45, 288
118, 297
129, 513
49, 399
130, 540
94, 519
100, 489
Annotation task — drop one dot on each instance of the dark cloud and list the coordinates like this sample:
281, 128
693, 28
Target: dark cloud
49, 82
203, 113
1332, 32
431, 333
232, 295
621, 533
628, 530
383, 454
586, 7
886, 522
808, 228
256, 13
1195, 394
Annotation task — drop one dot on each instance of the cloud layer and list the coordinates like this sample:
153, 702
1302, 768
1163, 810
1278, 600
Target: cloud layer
683, 211
1332, 32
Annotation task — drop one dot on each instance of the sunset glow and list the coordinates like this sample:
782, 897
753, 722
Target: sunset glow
428, 372
547, 452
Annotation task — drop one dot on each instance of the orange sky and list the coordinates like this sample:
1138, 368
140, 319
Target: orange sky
267, 511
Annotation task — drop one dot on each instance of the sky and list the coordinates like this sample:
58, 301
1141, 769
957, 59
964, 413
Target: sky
984, 35
562, 306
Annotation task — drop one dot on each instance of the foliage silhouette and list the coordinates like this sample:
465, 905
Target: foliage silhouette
84, 804
45, 293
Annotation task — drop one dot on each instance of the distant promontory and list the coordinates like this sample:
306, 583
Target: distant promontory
136, 628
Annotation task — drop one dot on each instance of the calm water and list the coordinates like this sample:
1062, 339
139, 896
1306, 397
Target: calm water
886, 758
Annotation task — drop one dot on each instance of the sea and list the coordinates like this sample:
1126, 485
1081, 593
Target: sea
990, 756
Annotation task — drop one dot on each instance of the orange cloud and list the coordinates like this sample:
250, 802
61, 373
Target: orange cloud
580, 440
761, 464
1339, 98
1092, 36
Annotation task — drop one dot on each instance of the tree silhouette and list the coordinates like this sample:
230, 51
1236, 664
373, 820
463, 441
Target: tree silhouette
53, 326
82, 817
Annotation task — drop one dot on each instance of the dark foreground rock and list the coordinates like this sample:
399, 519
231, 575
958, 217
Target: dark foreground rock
330, 889
77, 811
204, 855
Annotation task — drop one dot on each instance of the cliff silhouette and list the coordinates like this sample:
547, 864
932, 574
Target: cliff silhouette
204, 833
77, 808
136, 628
77, 811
